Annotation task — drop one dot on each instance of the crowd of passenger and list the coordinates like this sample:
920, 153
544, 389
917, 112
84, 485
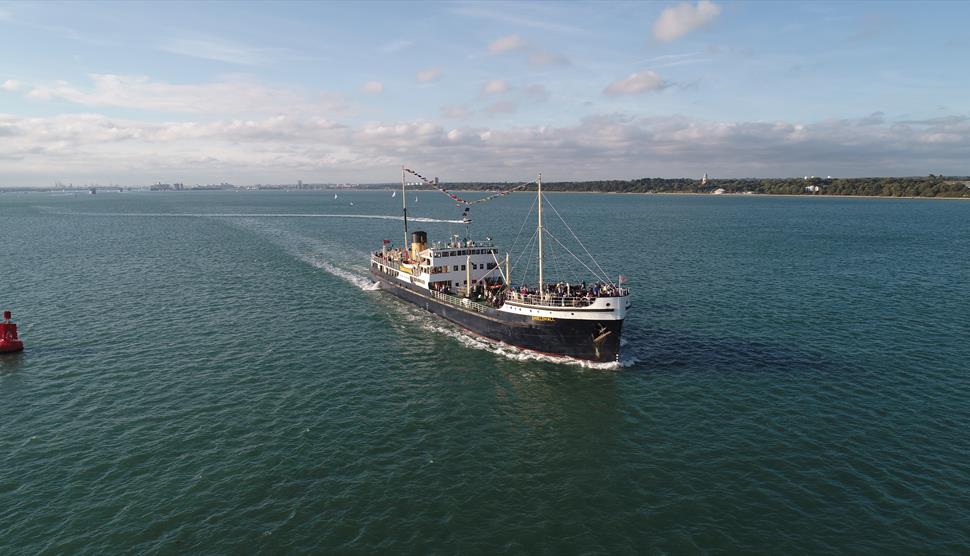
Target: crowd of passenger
494, 293
567, 291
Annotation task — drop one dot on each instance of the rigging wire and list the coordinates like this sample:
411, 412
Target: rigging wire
593, 272
526, 248
555, 259
454, 197
607, 279
522, 227
529, 261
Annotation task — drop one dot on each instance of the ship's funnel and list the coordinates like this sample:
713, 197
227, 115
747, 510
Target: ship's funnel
419, 242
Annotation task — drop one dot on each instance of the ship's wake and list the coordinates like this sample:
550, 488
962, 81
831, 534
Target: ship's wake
254, 215
350, 276
474, 341
320, 254
314, 252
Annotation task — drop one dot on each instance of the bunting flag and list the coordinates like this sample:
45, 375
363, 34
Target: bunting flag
463, 201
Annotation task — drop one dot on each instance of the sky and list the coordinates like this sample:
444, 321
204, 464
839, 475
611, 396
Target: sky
347, 92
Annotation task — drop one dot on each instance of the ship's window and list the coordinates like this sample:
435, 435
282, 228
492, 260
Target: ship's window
474, 266
457, 284
455, 267
463, 267
464, 282
607, 304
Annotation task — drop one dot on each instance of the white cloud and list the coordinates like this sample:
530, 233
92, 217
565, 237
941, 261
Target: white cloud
222, 97
536, 56
220, 50
495, 86
501, 107
373, 87
504, 14
636, 83
10, 85
676, 21
454, 111
545, 58
427, 75
509, 43
97, 148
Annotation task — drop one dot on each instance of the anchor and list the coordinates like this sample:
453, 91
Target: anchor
600, 338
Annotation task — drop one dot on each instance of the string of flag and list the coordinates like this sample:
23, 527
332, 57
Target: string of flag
458, 199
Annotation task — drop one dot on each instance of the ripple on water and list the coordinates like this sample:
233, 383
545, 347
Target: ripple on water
223, 384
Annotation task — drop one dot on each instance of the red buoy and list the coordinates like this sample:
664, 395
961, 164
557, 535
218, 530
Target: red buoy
9, 342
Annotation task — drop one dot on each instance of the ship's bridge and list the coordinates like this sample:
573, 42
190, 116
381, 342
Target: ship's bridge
452, 263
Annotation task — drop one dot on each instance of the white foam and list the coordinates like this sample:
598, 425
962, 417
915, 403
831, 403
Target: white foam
257, 215
354, 278
313, 252
516, 353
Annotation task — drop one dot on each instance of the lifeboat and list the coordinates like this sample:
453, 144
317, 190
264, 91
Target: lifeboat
9, 341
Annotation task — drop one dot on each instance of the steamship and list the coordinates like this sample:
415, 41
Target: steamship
466, 282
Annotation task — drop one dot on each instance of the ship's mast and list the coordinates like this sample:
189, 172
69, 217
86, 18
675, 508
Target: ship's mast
404, 203
541, 277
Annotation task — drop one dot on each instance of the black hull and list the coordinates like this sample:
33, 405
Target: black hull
590, 340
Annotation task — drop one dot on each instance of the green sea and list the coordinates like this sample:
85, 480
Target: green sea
214, 373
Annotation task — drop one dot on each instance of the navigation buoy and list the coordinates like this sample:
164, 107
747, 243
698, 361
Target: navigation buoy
9, 342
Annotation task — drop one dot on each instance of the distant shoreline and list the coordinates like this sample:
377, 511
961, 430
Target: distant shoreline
690, 194
790, 195
481, 191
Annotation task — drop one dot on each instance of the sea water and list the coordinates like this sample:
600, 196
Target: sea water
216, 372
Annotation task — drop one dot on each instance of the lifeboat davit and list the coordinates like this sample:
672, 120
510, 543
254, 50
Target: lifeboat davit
9, 342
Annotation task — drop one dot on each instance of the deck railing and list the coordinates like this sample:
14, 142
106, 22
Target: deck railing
559, 301
462, 302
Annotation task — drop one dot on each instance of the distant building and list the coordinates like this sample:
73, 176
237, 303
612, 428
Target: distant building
718, 191
812, 189
704, 180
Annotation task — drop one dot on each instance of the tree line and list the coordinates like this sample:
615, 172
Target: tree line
929, 186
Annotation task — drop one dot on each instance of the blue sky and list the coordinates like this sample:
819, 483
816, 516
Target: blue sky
333, 92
